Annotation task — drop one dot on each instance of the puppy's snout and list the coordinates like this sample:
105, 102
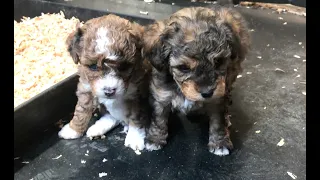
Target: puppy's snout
207, 93
109, 91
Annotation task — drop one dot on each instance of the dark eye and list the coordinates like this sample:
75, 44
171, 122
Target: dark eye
93, 67
183, 68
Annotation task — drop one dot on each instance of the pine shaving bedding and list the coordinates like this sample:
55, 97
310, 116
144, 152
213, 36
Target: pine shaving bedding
40, 54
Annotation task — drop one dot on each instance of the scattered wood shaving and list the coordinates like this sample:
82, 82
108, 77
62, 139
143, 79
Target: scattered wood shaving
300, 43
280, 18
57, 157
251, 30
298, 75
173, 4
91, 138
281, 142
268, 45
303, 82
302, 47
304, 60
291, 175
259, 57
265, 108
41, 58
294, 83
258, 131
25, 162
137, 152
249, 72
304, 93
295, 70
148, 1
273, 49
104, 160
144, 12
86, 154
87, 151
280, 70
102, 174
236, 131
255, 123
83, 161
16, 158
296, 56
285, 23
103, 136
239, 76
283, 87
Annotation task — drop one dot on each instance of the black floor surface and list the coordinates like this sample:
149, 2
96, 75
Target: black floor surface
268, 105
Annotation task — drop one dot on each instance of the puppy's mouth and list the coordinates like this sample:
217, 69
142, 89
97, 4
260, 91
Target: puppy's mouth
192, 92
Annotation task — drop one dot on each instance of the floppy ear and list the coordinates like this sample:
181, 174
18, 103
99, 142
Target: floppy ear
73, 44
156, 48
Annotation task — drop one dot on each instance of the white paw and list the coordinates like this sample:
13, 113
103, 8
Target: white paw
152, 147
135, 138
102, 126
125, 129
220, 152
67, 133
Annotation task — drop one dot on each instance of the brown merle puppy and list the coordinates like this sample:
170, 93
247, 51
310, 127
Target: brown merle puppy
196, 56
112, 76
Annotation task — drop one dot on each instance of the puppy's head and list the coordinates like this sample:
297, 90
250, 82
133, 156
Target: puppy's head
195, 50
107, 50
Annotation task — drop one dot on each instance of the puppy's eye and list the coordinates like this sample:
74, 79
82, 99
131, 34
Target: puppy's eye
183, 68
93, 67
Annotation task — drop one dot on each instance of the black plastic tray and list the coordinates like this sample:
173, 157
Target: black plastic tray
256, 156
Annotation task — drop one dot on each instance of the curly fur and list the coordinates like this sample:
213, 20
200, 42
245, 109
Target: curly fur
196, 56
113, 78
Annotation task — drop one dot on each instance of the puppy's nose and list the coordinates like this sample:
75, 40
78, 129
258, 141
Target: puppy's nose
109, 91
207, 94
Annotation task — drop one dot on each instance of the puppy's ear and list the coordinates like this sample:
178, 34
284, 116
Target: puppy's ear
73, 44
157, 48
136, 30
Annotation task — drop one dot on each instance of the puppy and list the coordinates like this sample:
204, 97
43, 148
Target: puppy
112, 78
196, 56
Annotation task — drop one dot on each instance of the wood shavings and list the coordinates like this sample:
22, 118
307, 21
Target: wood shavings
103, 136
239, 76
285, 23
25, 162
86, 154
16, 158
265, 108
304, 93
294, 83
102, 174
91, 138
298, 75
249, 72
279, 70
280, 18
291, 175
295, 70
144, 12
255, 123
259, 57
273, 49
41, 58
281, 142
104, 160
137, 152
148, 1
283, 87
303, 82
300, 43
57, 157
296, 56
251, 30
87, 151
268, 45
83, 161
173, 4
257, 132
304, 60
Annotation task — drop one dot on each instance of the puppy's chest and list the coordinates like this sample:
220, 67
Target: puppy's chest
184, 105
117, 108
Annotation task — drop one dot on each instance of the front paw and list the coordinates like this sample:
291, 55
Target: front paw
221, 148
95, 130
135, 138
67, 133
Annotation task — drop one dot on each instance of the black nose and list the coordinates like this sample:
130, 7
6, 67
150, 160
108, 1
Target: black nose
109, 91
207, 94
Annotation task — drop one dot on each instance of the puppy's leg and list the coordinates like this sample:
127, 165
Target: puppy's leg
158, 130
219, 139
102, 126
82, 115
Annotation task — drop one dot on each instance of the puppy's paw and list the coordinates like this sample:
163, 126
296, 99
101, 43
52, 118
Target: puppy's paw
153, 147
67, 133
135, 138
221, 148
102, 126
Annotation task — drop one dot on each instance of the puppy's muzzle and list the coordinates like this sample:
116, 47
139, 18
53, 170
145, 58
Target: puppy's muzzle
109, 92
207, 93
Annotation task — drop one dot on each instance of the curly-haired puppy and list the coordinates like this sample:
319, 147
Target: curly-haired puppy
196, 56
112, 77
